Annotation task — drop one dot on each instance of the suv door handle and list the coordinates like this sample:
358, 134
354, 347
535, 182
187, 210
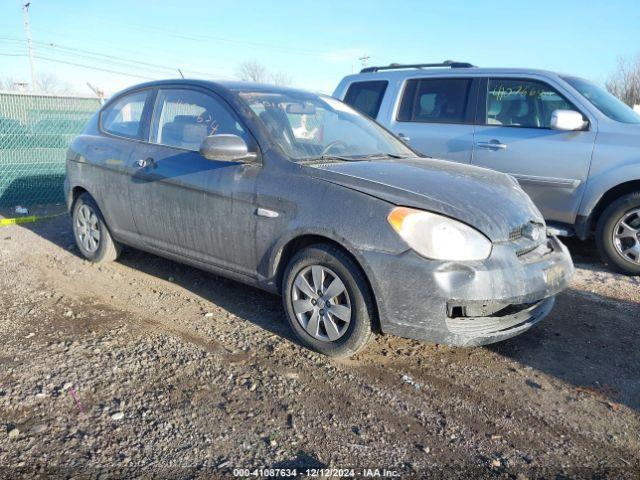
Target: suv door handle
403, 137
142, 163
492, 145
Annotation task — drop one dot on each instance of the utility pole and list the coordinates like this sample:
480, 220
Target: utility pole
364, 60
27, 31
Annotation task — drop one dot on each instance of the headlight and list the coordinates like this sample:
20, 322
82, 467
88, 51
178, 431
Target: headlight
437, 237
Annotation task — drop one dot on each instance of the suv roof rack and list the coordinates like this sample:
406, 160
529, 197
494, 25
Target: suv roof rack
396, 66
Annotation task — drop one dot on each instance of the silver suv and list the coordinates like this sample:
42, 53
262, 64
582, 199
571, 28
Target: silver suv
574, 148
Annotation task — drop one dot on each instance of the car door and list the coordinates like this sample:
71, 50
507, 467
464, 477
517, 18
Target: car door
121, 124
514, 135
436, 115
184, 203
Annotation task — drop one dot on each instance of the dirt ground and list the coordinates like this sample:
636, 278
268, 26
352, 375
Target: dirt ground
150, 369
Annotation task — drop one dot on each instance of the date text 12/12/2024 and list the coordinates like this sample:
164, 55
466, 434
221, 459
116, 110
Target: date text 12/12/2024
316, 472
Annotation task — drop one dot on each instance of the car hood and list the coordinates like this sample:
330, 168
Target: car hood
490, 201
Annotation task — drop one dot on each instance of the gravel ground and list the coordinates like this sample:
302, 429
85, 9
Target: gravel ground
148, 368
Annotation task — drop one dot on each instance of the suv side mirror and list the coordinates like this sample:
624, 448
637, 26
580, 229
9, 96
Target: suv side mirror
226, 148
568, 120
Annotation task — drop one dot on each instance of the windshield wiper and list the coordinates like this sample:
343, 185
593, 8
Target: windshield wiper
336, 157
353, 158
325, 158
378, 155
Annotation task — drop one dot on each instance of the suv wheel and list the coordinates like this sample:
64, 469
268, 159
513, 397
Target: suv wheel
328, 301
618, 234
91, 233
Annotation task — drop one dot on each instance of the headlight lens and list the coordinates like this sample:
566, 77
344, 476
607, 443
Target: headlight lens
437, 237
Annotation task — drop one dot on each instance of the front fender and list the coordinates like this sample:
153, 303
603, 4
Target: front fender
275, 257
599, 184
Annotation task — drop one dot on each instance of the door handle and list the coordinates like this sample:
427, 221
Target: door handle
403, 137
264, 212
492, 145
145, 162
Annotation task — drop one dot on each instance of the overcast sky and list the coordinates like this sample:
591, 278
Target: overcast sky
117, 43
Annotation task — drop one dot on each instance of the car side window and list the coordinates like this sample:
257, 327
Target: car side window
366, 97
523, 103
435, 100
124, 116
184, 118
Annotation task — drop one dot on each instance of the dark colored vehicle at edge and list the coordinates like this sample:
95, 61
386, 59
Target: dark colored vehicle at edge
300, 195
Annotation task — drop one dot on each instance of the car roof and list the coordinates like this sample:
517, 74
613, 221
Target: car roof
226, 86
400, 73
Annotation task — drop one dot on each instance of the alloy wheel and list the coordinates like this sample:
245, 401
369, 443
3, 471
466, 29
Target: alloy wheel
88, 228
321, 303
626, 236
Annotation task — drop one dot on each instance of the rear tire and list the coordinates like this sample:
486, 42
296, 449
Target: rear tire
92, 235
619, 246
338, 321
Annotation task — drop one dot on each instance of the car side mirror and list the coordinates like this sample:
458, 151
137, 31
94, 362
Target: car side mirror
568, 120
226, 148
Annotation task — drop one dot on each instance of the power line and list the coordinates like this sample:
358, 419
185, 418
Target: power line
89, 54
82, 65
103, 61
200, 37
76, 65
126, 63
106, 59
93, 67
176, 57
118, 23
112, 59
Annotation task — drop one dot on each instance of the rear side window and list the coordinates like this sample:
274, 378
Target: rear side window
435, 100
124, 116
183, 118
523, 103
366, 97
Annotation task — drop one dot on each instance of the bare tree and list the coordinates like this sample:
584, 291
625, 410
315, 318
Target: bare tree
624, 83
281, 78
49, 83
253, 71
45, 83
10, 84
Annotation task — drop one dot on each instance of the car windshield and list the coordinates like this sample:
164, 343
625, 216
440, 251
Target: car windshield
310, 127
604, 101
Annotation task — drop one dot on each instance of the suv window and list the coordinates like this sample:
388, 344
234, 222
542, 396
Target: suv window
435, 100
123, 117
183, 118
523, 103
366, 97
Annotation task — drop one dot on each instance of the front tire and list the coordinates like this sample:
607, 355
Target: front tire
92, 235
327, 300
618, 234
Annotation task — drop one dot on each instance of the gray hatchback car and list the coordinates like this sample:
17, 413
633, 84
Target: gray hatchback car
574, 148
301, 195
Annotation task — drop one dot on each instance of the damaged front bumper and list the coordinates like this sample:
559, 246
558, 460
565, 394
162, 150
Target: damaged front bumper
470, 303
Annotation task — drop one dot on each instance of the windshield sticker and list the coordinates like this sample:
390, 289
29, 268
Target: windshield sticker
502, 92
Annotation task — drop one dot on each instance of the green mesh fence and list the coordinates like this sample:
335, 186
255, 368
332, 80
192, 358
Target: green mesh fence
35, 131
